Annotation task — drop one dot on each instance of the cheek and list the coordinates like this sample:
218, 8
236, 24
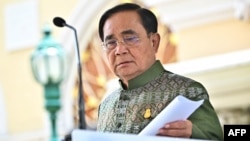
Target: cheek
111, 60
145, 52
146, 55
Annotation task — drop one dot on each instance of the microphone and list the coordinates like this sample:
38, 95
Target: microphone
59, 22
82, 123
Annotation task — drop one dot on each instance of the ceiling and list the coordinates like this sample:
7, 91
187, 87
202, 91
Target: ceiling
179, 14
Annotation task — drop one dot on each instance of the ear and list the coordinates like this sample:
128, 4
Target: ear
156, 41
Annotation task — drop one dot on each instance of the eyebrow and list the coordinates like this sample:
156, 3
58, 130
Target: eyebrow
125, 32
130, 31
108, 37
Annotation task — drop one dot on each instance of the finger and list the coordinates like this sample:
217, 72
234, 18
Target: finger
177, 129
172, 132
176, 125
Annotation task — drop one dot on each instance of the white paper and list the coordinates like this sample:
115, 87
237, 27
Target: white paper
179, 109
88, 135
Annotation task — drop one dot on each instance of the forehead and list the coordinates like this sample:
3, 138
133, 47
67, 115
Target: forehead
122, 21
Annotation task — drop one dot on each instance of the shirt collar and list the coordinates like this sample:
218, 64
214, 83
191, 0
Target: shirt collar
155, 70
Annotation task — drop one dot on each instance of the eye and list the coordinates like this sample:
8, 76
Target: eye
110, 43
131, 40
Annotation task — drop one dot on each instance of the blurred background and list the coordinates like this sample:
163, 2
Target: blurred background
207, 40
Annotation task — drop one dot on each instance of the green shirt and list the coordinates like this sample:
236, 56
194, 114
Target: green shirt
130, 109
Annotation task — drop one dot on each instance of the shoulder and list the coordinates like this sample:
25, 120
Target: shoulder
111, 96
174, 76
186, 86
108, 101
181, 79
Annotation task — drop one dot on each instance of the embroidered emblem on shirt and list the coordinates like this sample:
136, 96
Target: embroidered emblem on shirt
147, 113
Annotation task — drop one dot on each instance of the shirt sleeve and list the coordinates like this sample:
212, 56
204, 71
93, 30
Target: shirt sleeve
206, 124
205, 121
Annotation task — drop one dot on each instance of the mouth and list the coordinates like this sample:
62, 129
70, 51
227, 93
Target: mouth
123, 63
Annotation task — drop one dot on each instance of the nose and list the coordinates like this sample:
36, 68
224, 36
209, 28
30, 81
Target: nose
121, 48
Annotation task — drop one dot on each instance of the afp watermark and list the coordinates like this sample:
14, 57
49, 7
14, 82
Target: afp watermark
236, 132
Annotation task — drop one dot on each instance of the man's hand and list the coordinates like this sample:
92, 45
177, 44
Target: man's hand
181, 129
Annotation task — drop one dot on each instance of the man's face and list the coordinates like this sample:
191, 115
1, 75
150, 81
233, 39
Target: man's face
129, 60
